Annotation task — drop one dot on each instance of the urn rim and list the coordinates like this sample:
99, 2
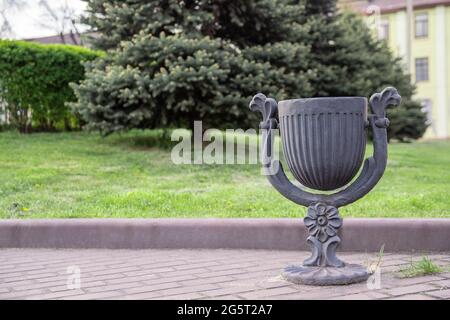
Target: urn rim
323, 105
323, 98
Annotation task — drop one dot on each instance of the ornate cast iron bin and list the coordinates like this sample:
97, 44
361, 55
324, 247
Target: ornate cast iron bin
324, 141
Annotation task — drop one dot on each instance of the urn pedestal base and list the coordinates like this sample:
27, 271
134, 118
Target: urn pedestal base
326, 276
324, 268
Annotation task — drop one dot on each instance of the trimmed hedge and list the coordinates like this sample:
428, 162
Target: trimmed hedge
34, 83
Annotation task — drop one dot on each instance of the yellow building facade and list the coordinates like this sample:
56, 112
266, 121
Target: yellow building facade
419, 32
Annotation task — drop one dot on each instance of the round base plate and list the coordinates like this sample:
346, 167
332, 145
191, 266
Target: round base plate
325, 276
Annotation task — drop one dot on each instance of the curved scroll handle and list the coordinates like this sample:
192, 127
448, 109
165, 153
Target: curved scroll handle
373, 167
273, 169
268, 108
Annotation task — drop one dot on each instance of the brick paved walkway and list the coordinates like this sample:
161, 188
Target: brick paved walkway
195, 274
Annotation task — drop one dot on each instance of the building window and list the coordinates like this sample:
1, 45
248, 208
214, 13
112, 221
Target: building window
383, 30
421, 23
421, 69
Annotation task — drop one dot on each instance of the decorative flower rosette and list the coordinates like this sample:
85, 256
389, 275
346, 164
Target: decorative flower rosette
322, 221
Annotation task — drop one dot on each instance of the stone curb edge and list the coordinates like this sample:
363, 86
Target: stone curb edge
358, 234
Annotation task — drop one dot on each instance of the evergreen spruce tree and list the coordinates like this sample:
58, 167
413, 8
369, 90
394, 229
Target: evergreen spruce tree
170, 62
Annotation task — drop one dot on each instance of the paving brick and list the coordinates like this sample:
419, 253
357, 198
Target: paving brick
91, 269
190, 289
391, 269
149, 271
256, 283
416, 288
4, 290
162, 264
84, 285
196, 281
37, 285
226, 297
268, 293
173, 278
80, 263
58, 277
445, 274
260, 276
16, 283
24, 269
274, 282
370, 295
35, 276
6, 268
413, 297
20, 294
211, 274
187, 296
442, 294
196, 272
206, 264
105, 277
302, 295
229, 290
23, 276
394, 262
276, 268
389, 281
56, 295
441, 284
227, 266
10, 262
110, 271
142, 296
95, 296
112, 287
11, 276
155, 287
127, 279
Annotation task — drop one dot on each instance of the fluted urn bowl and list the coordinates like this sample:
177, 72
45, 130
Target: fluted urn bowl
323, 139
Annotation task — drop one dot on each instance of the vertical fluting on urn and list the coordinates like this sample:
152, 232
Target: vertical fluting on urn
324, 151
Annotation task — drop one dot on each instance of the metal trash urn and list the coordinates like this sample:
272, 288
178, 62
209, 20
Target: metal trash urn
324, 141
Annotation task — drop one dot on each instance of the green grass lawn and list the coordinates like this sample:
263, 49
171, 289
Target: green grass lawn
74, 175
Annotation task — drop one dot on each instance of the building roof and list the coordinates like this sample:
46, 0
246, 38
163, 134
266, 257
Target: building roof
68, 38
391, 5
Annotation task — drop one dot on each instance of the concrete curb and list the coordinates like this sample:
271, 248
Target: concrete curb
281, 234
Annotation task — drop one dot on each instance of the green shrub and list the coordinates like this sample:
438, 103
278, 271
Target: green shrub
34, 83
